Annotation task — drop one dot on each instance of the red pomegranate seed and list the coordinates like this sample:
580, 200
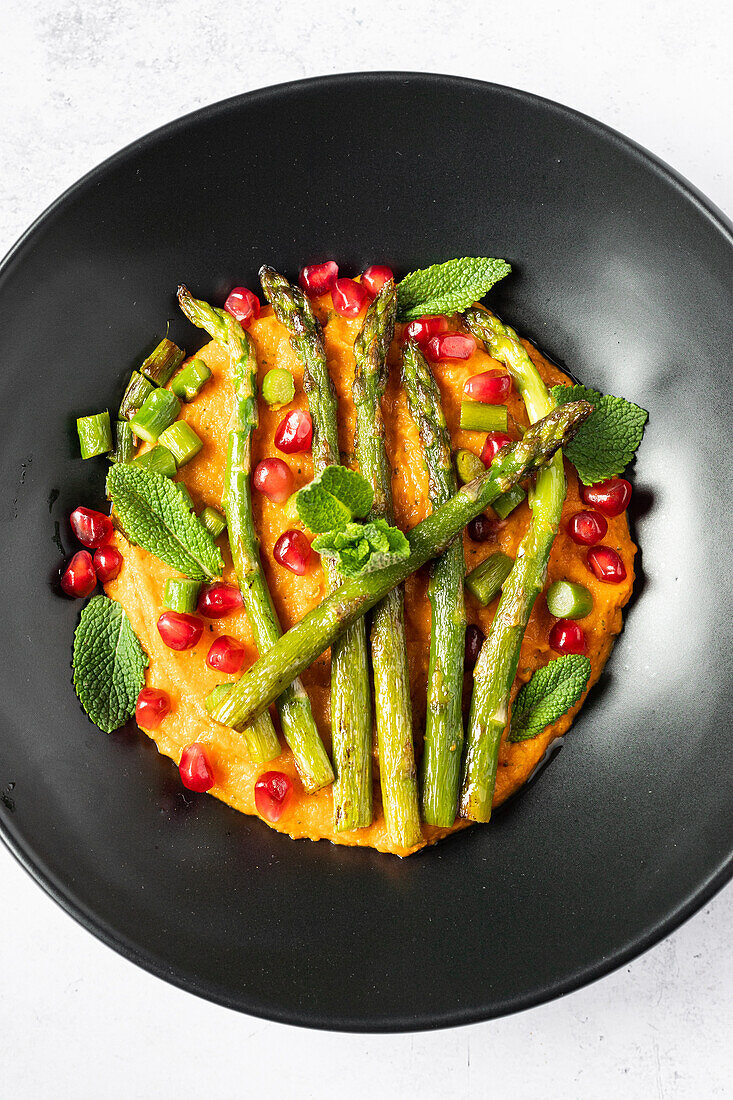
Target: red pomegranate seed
293, 551
151, 708
587, 528
274, 478
244, 305
273, 792
107, 563
567, 637
475, 638
606, 564
218, 600
319, 278
491, 387
375, 277
294, 432
91, 528
424, 328
349, 297
79, 578
610, 497
226, 655
179, 631
482, 529
195, 769
494, 442
450, 345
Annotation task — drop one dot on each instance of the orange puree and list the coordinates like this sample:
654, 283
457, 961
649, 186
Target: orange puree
187, 678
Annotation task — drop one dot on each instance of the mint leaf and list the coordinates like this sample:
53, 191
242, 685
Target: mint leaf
607, 441
449, 287
551, 692
333, 499
152, 512
109, 663
362, 548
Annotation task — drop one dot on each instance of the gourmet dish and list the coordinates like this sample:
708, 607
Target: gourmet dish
366, 555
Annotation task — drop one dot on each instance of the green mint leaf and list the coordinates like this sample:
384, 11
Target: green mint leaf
152, 512
551, 692
333, 499
607, 441
449, 287
109, 663
362, 548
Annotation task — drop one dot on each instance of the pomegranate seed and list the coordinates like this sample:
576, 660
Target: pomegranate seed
567, 637
179, 631
319, 278
273, 792
274, 478
450, 345
491, 387
587, 528
91, 528
606, 564
244, 305
375, 277
481, 529
475, 638
226, 655
195, 769
107, 563
293, 551
218, 600
294, 432
151, 708
610, 497
349, 297
494, 442
424, 328
79, 578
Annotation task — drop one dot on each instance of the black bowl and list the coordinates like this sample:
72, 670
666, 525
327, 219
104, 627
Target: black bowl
622, 273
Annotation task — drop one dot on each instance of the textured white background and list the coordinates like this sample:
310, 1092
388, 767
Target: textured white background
79, 80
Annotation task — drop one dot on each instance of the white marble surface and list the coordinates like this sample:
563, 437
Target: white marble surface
77, 81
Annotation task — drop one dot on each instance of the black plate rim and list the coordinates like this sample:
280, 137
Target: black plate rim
155, 965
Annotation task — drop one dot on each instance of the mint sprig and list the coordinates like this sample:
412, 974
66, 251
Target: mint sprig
551, 692
333, 499
360, 548
448, 287
608, 440
109, 663
152, 512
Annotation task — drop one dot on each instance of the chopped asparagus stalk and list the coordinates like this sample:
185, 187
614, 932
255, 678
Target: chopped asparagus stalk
182, 441
216, 695
468, 466
213, 521
190, 380
278, 387
569, 601
125, 443
161, 364
507, 502
134, 396
95, 434
158, 460
181, 595
485, 581
476, 416
159, 409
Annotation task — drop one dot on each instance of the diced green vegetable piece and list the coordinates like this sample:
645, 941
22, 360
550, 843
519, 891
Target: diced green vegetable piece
507, 502
163, 362
477, 416
125, 443
468, 466
134, 396
213, 521
182, 441
569, 601
159, 410
186, 495
485, 581
189, 381
95, 434
182, 596
159, 460
278, 387
215, 696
